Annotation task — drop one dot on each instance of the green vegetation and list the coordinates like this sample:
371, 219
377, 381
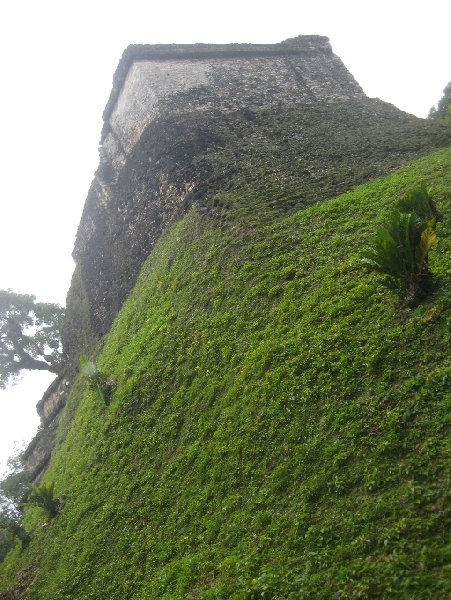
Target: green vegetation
400, 251
43, 496
278, 427
29, 335
12, 490
13, 487
15, 494
420, 202
442, 114
6, 536
10, 529
96, 380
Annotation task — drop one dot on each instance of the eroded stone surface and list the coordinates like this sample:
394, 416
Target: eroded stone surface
38, 453
157, 87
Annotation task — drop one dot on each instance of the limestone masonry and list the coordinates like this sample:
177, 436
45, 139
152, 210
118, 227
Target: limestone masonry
170, 79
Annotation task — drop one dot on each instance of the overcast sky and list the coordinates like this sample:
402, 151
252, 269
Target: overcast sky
57, 61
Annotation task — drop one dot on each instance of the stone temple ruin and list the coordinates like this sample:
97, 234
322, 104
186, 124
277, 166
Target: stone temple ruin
173, 114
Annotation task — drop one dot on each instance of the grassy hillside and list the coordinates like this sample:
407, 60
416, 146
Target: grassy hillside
278, 427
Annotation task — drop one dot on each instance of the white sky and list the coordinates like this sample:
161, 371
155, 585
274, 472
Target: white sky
57, 60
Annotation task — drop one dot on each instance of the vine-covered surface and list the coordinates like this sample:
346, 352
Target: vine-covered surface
278, 426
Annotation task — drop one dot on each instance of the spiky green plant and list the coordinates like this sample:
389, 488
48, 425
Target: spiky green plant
43, 496
96, 380
420, 202
400, 250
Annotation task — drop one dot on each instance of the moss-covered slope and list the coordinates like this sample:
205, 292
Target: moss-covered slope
278, 427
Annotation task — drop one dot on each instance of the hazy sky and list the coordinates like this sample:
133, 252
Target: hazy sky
57, 61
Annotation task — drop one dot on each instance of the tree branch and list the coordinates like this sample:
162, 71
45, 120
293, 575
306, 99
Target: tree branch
30, 363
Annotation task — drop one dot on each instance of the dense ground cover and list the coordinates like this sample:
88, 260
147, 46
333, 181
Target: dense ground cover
278, 426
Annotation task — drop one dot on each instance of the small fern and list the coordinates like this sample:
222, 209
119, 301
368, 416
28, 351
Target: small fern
96, 380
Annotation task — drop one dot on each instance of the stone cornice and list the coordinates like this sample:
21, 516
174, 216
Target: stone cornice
147, 52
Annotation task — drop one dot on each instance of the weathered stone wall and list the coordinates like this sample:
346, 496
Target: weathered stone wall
164, 86
37, 455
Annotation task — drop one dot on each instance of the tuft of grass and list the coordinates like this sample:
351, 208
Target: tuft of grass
278, 429
96, 381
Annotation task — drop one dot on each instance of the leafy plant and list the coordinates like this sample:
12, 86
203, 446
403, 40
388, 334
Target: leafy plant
96, 380
400, 250
442, 114
9, 530
420, 202
13, 487
12, 490
43, 496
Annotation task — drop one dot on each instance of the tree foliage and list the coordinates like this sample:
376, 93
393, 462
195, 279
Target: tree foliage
29, 335
442, 114
13, 489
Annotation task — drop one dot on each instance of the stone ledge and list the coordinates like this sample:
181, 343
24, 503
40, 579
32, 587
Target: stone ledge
145, 52
53, 400
37, 455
